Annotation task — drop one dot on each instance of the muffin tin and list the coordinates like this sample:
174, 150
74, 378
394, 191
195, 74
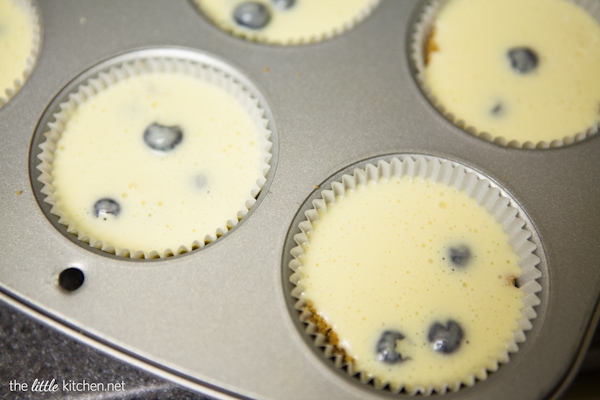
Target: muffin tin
219, 319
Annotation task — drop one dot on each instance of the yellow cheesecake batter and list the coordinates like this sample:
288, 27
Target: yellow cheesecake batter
470, 73
378, 260
169, 198
16, 41
305, 21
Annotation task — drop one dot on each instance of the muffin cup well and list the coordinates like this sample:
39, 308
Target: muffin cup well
30, 9
449, 173
227, 23
419, 48
140, 67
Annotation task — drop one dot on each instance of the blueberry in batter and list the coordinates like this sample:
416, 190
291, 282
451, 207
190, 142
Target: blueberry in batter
498, 109
252, 15
201, 181
386, 347
284, 4
105, 207
523, 59
460, 255
445, 339
163, 138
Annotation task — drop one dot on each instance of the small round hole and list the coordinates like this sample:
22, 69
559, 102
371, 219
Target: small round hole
71, 279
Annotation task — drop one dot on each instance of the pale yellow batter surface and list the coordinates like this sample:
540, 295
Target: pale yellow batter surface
307, 20
16, 41
470, 72
168, 199
378, 260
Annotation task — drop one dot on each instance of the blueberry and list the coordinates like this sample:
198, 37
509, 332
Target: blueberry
498, 109
161, 137
460, 255
445, 339
523, 59
105, 207
252, 14
386, 347
201, 181
284, 4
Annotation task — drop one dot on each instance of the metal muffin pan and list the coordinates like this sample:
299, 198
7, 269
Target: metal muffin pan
217, 319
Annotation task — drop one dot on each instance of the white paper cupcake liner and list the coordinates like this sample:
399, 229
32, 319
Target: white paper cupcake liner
452, 174
296, 39
7, 93
91, 87
418, 44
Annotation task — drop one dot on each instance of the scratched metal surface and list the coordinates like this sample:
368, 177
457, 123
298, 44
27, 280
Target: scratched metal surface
217, 320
